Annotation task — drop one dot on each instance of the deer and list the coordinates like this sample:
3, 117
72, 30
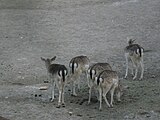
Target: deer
107, 81
77, 65
58, 74
134, 52
93, 71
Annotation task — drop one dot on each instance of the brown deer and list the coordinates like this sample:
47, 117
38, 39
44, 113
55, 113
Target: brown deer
78, 65
134, 52
107, 81
58, 74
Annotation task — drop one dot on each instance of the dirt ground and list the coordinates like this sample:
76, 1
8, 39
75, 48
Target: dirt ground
30, 29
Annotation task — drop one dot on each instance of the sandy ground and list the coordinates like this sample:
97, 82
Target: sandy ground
30, 29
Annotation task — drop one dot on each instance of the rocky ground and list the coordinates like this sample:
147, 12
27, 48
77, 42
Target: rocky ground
30, 29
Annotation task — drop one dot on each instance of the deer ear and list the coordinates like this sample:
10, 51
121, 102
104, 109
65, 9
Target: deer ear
43, 59
52, 59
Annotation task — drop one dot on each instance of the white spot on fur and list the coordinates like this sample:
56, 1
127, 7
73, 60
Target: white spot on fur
142, 50
95, 80
65, 72
88, 71
100, 80
60, 72
70, 65
138, 51
93, 72
75, 65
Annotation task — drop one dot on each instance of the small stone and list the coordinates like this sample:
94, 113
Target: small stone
80, 115
153, 76
6, 97
45, 81
43, 88
70, 113
148, 115
58, 106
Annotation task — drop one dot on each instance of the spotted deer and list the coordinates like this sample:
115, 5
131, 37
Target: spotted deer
93, 72
107, 81
78, 65
134, 52
57, 74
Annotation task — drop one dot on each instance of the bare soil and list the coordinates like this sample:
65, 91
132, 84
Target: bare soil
30, 29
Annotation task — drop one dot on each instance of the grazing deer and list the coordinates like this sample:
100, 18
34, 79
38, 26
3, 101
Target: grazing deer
93, 72
78, 65
107, 81
134, 52
58, 74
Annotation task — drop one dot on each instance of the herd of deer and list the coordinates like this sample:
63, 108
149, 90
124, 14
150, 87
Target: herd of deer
99, 75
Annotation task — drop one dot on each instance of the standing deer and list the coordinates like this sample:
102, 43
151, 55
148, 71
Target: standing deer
93, 72
107, 81
58, 74
134, 52
78, 65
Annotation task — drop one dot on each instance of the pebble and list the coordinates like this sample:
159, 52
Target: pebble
80, 115
70, 113
153, 76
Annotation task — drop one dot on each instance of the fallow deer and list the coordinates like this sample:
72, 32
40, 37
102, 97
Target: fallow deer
134, 52
58, 74
78, 65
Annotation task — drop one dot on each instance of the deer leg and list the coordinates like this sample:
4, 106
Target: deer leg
90, 93
132, 69
74, 88
63, 104
112, 93
100, 99
136, 72
142, 69
126, 57
60, 98
105, 91
53, 86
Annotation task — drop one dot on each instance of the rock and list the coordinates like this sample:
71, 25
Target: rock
153, 76
80, 115
43, 88
70, 113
